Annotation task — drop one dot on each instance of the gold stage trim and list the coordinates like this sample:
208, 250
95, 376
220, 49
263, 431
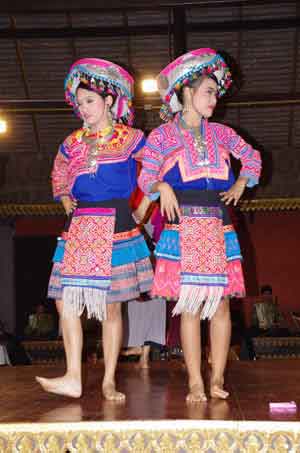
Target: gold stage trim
55, 209
14, 210
270, 204
167, 436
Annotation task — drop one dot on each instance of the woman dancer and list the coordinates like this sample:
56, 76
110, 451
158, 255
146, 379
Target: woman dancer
102, 258
187, 160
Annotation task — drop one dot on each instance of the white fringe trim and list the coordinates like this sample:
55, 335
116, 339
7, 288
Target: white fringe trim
192, 298
76, 299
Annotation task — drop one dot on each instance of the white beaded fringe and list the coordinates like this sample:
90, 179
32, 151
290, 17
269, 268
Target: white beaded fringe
76, 299
192, 298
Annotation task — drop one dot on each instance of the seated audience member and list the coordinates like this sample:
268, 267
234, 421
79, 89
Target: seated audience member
15, 351
40, 324
266, 314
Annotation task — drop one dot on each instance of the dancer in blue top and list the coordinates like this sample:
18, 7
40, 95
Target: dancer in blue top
101, 259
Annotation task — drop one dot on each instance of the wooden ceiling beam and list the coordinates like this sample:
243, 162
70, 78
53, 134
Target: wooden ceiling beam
83, 6
163, 29
57, 105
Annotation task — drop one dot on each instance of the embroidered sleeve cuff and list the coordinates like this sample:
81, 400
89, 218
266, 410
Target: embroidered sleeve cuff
145, 183
252, 180
57, 196
154, 196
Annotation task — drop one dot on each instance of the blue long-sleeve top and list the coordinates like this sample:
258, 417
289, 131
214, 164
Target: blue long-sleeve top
111, 172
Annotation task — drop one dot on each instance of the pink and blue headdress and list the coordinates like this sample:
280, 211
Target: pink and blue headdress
185, 69
103, 77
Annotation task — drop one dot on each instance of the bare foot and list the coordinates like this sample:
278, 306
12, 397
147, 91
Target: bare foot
217, 390
143, 364
197, 394
111, 394
133, 351
61, 386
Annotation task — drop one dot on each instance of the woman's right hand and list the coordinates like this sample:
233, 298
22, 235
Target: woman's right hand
68, 203
168, 201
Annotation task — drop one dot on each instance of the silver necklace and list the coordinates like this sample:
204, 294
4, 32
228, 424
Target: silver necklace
199, 142
94, 144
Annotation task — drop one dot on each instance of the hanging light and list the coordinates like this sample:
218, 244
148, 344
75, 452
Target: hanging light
3, 126
149, 85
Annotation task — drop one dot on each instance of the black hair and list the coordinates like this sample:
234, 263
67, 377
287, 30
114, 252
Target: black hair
103, 95
193, 84
266, 289
237, 76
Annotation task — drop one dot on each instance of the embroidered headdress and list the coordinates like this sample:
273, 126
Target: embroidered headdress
187, 68
103, 77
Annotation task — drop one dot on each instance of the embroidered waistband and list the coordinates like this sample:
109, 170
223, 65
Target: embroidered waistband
118, 207
202, 211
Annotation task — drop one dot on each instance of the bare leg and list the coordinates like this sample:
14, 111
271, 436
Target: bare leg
70, 384
220, 333
191, 345
112, 340
144, 359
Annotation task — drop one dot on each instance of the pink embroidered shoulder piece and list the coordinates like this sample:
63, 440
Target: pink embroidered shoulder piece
169, 145
72, 158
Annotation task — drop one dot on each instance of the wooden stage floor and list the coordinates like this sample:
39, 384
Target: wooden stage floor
155, 398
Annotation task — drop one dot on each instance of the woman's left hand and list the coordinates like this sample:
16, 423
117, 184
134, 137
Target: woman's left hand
235, 192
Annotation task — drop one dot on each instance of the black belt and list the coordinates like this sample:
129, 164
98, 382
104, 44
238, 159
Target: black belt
202, 198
